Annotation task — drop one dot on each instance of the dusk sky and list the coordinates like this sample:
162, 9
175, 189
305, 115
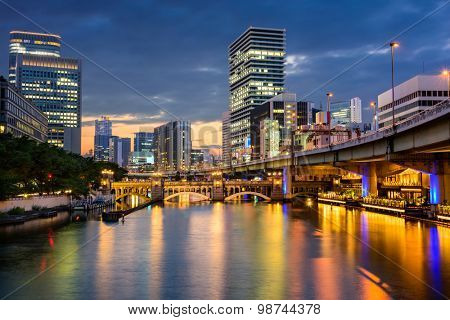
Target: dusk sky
175, 52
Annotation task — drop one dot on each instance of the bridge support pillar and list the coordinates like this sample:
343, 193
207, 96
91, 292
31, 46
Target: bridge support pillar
158, 189
277, 186
217, 190
369, 179
287, 182
440, 183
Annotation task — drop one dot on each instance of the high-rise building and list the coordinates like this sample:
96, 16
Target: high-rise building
281, 108
119, 150
411, 97
103, 131
355, 110
19, 116
226, 151
141, 161
173, 146
51, 82
269, 139
256, 73
197, 158
305, 113
144, 142
340, 113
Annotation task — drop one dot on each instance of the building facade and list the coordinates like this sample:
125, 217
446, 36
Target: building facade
283, 109
19, 116
197, 159
340, 113
355, 110
51, 82
226, 150
256, 73
144, 142
173, 146
103, 132
119, 150
269, 139
305, 113
141, 161
412, 96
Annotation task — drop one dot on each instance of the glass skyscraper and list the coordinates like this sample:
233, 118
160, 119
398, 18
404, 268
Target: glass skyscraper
51, 82
103, 131
256, 73
340, 113
174, 145
144, 142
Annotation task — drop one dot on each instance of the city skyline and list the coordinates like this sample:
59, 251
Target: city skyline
238, 159
203, 95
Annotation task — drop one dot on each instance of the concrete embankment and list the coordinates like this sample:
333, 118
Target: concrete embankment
28, 203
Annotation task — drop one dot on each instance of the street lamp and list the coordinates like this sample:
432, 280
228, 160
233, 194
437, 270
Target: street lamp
393, 46
329, 95
446, 73
373, 105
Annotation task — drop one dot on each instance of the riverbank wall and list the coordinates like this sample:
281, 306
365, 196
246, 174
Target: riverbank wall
41, 201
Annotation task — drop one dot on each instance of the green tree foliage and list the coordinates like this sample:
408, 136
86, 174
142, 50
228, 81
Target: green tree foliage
30, 167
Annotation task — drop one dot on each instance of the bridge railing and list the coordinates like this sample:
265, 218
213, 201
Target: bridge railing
423, 116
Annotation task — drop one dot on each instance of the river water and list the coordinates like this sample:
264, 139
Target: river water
231, 251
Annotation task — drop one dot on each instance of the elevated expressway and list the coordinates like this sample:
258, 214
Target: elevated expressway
421, 142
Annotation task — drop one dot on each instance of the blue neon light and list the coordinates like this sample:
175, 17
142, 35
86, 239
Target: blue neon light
434, 189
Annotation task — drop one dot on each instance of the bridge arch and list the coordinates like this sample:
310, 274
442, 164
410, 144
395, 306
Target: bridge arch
237, 195
306, 193
201, 196
124, 195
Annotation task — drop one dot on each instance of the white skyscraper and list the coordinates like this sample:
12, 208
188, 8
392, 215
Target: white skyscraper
355, 110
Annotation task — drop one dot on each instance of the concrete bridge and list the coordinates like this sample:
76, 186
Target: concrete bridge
215, 189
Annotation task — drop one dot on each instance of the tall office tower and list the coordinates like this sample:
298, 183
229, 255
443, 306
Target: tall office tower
173, 146
51, 82
269, 139
305, 113
355, 110
103, 131
412, 96
144, 142
226, 151
197, 158
340, 113
281, 108
256, 73
119, 150
18, 116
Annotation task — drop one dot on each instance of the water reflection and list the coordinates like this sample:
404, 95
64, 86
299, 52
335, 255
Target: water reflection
233, 251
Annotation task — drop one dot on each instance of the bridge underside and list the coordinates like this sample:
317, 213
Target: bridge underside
245, 193
197, 195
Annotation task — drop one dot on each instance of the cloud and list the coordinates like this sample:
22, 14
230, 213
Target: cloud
127, 118
295, 63
447, 46
208, 70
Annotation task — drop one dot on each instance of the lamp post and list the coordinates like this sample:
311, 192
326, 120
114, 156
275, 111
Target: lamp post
446, 73
393, 46
329, 95
373, 105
